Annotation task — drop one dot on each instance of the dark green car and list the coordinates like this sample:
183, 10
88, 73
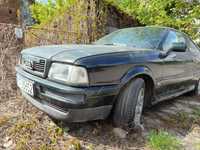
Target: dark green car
121, 73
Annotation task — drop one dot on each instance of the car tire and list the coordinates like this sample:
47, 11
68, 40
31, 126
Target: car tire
129, 106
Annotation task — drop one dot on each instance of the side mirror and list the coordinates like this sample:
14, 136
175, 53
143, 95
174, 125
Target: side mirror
175, 47
178, 47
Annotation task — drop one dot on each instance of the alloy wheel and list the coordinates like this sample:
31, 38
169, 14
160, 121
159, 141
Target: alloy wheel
139, 107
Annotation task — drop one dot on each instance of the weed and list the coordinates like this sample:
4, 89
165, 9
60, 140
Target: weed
163, 140
21, 143
45, 147
91, 147
54, 132
73, 143
21, 132
182, 120
196, 112
22, 128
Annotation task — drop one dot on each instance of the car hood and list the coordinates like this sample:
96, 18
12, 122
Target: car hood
70, 53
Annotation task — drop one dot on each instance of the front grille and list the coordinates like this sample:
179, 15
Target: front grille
39, 66
33, 64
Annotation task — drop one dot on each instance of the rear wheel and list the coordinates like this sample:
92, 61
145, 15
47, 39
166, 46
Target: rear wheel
129, 105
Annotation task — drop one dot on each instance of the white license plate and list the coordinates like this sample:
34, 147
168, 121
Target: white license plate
25, 85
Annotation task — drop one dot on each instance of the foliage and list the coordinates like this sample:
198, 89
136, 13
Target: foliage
196, 112
183, 15
80, 22
181, 120
21, 132
73, 143
163, 140
196, 115
24, 131
43, 12
179, 14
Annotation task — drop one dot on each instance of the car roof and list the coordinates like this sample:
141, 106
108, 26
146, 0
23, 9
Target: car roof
161, 27
155, 26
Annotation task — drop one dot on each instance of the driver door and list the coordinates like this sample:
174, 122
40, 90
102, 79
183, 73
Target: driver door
177, 66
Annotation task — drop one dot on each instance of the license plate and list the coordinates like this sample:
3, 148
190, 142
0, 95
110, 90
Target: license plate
25, 85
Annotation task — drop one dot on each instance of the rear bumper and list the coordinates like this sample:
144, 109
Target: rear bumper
71, 104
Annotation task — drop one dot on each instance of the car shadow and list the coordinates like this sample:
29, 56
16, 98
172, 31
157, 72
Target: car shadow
162, 116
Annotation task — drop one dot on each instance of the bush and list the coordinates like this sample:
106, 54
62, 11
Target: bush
44, 12
180, 14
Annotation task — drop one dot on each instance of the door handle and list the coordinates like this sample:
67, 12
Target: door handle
168, 54
172, 55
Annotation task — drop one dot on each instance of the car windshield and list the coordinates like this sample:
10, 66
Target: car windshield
140, 37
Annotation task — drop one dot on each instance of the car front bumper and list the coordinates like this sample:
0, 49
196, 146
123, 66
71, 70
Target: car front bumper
71, 104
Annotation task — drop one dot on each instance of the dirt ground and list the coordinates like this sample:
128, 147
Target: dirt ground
24, 127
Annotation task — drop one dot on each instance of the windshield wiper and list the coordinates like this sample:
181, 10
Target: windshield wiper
109, 44
116, 44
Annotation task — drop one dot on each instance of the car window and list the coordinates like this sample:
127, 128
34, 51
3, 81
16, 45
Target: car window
141, 37
173, 37
192, 47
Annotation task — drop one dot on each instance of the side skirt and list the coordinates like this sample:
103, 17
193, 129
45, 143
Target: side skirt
175, 94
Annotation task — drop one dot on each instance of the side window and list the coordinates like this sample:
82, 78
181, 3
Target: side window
173, 37
192, 47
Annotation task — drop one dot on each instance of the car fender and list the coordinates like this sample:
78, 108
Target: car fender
134, 72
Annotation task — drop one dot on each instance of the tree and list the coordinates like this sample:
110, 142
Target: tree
183, 15
45, 12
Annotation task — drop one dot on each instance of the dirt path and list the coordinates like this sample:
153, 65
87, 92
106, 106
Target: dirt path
24, 127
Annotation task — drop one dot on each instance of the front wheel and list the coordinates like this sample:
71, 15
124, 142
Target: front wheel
129, 105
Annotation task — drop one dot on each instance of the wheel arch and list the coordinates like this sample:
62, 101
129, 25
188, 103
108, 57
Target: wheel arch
144, 73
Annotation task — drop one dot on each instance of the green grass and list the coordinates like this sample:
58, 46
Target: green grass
196, 116
163, 140
196, 112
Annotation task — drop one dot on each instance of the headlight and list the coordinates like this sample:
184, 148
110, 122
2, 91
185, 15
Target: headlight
69, 74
